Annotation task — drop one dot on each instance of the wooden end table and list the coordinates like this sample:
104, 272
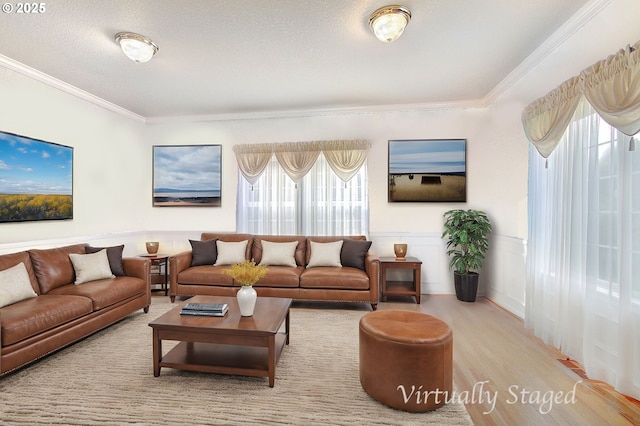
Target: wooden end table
159, 271
233, 344
400, 288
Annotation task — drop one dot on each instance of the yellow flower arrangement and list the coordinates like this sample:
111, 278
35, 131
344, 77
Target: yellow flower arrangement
246, 273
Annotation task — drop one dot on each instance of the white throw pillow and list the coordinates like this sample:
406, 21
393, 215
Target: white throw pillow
90, 267
325, 254
15, 285
230, 252
279, 253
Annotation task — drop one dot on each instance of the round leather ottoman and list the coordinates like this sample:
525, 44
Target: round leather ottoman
406, 359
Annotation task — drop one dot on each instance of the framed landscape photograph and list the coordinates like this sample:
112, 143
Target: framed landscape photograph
187, 175
427, 170
36, 179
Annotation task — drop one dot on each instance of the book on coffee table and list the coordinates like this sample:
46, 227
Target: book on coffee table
205, 309
202, 313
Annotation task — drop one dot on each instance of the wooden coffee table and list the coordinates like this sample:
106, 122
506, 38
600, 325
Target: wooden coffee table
233, 344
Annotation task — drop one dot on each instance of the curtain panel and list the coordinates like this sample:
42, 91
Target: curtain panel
611, 86
583, 251
296, 158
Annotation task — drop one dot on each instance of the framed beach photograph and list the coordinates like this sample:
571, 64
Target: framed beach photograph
427, 170
187, 175
36, 179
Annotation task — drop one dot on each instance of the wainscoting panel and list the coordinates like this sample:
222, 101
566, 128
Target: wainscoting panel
429, 248
502, 280
171, 242
505, 271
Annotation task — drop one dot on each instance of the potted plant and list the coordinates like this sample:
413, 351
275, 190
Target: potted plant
467, 235
246, 274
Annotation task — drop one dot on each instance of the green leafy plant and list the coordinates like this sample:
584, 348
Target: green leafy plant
467, 234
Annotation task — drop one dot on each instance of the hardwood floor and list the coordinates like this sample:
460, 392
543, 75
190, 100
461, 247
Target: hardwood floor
507, 376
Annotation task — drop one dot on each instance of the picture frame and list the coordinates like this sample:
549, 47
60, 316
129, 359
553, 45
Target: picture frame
36, 179
187, 175
427, 170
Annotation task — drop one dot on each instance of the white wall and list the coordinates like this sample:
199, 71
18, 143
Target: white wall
113, 164
111, 169
483, 156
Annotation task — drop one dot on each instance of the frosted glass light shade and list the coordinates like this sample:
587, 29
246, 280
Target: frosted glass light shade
137, 48
388, 23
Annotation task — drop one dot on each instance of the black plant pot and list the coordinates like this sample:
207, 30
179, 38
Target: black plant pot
466, 286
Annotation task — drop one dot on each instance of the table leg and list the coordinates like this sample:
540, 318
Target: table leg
383, 286
272, 360
157, 352
166, 277
286, 327
417, 278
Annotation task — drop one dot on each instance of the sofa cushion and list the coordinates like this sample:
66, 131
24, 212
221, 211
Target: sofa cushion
12, 259
90, 267
354, 252
105, 292
230, 237
203, 252
53, 267
325, 254
15, 285
281, 276
39, 314
334, 278
205, 275
115, 257
299, 255
230, 252
278, 254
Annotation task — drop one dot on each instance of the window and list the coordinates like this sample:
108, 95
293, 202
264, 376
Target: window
583, 255
320, 204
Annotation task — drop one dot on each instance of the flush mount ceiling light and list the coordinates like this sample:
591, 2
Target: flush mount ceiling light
388, 22
137, 47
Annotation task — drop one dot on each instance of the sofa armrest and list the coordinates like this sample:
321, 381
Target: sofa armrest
372, 268
137, 267
177, 263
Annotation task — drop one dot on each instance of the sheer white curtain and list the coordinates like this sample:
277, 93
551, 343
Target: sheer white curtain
583, 259
269, 206
332, 206
320, 203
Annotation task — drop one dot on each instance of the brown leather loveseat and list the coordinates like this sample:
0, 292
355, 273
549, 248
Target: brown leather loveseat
56, 312
305, 276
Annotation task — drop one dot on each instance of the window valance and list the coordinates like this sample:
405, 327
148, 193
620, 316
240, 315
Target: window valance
611, 86
297, 158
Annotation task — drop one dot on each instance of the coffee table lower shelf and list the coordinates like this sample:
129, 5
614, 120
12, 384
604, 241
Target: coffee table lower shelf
232, 344
224, 359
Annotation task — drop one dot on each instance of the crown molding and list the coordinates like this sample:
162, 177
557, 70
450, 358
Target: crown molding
66, 87
577, 21
326, 112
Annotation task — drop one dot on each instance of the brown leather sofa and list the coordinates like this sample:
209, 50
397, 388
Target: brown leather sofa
62, 312
344, 283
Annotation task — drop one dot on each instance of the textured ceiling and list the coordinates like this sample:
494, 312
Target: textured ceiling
265, 56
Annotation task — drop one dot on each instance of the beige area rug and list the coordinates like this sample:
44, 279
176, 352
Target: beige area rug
107, 379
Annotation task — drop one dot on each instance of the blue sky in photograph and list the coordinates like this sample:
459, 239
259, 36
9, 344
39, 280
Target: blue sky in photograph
187, 168
29, 166
422, 156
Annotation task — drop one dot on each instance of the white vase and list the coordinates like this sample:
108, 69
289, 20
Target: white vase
246, 300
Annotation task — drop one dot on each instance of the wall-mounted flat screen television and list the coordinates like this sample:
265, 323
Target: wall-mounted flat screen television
36, 179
